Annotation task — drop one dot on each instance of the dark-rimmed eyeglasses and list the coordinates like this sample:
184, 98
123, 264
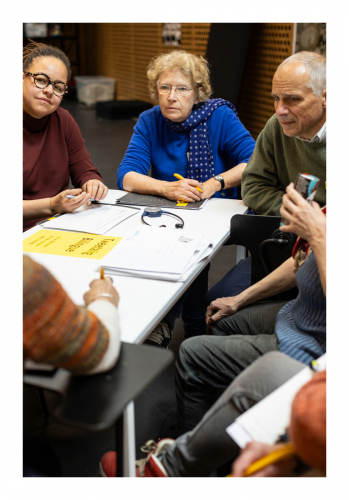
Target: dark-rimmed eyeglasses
166, 89
42, 81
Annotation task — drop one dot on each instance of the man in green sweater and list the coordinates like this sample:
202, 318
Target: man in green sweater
294, 139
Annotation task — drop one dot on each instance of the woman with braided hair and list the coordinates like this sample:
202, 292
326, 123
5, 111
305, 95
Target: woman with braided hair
53, 148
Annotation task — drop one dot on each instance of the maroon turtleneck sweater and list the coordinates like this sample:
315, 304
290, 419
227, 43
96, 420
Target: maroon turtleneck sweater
53, 151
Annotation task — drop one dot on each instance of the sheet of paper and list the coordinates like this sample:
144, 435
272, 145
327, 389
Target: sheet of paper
269, 418
87, 246
94, 219
159, 250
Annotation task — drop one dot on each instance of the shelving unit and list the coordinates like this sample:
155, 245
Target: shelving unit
68, 42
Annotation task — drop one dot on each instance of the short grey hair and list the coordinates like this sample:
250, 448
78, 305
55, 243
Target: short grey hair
316, 67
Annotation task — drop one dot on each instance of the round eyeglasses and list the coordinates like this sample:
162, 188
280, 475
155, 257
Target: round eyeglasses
166, 89
42, 81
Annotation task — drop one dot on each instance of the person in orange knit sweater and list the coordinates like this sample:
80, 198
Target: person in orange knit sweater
307, 433
58, 332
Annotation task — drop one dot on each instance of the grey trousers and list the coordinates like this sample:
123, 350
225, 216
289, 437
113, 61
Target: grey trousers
202, 450
206, 365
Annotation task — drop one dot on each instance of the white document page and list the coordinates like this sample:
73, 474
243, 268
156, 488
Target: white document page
158, 250
202, 252
269, 418
95, 219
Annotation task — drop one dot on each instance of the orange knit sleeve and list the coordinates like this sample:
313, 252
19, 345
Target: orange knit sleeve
55, 330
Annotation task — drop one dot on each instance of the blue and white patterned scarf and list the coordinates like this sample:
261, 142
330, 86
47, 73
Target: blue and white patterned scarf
201, 165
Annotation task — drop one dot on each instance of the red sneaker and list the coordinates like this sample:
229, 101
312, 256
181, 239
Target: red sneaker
107, 465
152, 466
147, 467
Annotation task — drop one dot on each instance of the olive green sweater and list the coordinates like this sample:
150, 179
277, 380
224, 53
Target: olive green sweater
275, 162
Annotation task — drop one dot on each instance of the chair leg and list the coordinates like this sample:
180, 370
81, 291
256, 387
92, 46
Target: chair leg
43, 403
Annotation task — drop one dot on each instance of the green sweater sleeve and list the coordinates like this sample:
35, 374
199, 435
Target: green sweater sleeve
260, 181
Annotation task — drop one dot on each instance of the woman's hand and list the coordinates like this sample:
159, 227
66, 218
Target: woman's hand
211, 187
183, 190
101, 286
252, 452
96, 189
61, 204
220, 308
305, 219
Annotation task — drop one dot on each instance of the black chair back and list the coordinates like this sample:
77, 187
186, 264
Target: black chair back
268, 251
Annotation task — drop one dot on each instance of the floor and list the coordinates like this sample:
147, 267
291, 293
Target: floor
78, 451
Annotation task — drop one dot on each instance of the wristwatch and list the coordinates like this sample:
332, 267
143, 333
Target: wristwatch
220, 179
157, 212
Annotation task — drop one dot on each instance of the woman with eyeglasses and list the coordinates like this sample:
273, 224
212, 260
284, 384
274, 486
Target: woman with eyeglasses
53, 148
191, 135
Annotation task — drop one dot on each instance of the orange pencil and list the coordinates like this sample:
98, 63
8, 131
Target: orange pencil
102, 273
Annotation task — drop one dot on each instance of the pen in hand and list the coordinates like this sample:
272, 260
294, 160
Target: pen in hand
73, 196
181, 178
102, 273
284, 452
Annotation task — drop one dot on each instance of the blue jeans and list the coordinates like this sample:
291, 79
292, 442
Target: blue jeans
192, 307
233, 283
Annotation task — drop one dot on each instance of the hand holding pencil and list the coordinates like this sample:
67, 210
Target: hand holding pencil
180, 178
263, 460
102, 289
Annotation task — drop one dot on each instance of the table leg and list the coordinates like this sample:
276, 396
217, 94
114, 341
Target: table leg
129, 441
126, 443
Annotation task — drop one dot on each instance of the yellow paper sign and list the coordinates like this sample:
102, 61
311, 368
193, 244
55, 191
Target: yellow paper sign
70, 244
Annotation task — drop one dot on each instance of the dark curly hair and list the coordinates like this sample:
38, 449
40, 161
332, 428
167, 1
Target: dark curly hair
35, 49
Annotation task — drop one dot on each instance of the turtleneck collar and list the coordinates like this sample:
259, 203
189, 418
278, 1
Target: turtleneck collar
33, 124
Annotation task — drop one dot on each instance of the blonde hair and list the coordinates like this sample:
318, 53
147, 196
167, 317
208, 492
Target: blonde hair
193, 67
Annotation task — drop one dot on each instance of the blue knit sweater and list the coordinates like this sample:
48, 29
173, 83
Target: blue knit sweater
301, 323
155, 144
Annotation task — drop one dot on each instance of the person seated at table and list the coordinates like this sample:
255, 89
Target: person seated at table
208, 447
307, 433
243, 332
53, 147
191, 135
292, 141
59, 333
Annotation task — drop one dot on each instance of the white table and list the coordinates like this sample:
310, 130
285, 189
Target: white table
143, 302
153, 298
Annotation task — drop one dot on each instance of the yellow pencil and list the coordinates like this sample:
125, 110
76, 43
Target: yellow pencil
286, 451
102, 273
180, 178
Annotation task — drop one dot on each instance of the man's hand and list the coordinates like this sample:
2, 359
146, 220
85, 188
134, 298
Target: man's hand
183, 190
101, 286
61, 204
305, 219
253, 451
96, 189
220, 308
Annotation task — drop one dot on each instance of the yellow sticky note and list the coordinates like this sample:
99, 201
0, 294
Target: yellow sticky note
182, 204
70, 244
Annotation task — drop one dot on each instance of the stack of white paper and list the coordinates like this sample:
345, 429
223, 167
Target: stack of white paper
95, 219
157, 253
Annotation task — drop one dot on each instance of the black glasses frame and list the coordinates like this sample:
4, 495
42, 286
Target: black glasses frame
34, 75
